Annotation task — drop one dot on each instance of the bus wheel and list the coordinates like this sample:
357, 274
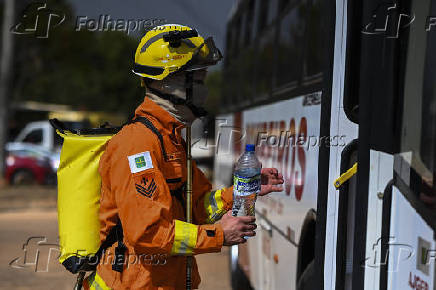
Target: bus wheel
307, 278
239, 280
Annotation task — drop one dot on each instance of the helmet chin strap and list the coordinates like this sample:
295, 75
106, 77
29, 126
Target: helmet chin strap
197, 111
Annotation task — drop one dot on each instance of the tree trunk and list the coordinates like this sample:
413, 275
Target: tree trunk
5, 78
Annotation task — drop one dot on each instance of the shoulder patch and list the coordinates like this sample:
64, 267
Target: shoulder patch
140, 162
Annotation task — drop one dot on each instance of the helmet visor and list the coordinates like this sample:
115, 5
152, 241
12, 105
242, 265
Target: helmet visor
206, 55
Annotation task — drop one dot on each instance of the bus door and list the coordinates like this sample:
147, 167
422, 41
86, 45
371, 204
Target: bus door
411, 222
346, 222
396, 84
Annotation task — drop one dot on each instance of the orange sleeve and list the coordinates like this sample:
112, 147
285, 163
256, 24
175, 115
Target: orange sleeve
209, 205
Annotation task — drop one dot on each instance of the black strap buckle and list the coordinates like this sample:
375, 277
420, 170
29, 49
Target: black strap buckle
120, 249
175, 37
119, 259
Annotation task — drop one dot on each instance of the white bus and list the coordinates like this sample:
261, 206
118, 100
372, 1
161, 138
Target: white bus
320, 86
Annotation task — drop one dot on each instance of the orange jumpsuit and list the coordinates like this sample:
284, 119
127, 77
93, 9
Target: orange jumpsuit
136, 185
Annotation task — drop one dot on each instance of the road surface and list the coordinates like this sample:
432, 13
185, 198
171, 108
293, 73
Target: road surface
28, 251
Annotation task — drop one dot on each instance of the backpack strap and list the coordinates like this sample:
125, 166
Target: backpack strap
179, 192
147, 123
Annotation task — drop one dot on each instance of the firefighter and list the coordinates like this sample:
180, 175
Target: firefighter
143, 173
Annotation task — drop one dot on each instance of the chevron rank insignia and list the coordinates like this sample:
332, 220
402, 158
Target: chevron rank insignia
146, 186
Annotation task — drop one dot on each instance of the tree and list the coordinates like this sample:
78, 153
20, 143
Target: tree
5, 75
88, 70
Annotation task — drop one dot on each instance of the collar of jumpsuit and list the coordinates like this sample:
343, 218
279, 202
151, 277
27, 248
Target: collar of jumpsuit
180, 112
159, 110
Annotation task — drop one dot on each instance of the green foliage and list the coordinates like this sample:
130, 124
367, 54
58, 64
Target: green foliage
88, 70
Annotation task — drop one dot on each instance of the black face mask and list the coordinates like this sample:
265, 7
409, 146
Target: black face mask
175, 100
183, 88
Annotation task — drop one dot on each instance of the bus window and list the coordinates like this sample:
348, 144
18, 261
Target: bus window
262, 16
314, 51
268, 10
236, 36
272, 11
283, 4
228, 51
291, 38
418, 128
428, 118
230, 88
249, 22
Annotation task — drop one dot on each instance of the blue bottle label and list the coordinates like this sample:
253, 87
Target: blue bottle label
243, 186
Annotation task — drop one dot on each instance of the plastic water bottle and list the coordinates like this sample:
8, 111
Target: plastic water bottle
246, 183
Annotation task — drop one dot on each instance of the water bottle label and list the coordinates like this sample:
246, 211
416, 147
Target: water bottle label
244, 186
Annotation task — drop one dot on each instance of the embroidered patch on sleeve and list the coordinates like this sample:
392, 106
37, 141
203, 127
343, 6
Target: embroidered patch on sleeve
146, 186
140, 162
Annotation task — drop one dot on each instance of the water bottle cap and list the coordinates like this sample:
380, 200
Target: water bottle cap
249, 147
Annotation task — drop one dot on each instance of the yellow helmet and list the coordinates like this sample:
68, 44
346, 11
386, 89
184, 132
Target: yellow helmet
169, 48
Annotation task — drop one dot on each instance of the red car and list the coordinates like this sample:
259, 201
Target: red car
23, 168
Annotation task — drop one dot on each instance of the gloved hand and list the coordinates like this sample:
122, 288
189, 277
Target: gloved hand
236, 228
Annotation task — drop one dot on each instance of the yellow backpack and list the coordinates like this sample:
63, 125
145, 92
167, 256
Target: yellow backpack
79, 192
79, 185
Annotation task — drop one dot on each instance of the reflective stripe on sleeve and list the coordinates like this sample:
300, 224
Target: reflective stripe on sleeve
214, 206
95, 282
185, 238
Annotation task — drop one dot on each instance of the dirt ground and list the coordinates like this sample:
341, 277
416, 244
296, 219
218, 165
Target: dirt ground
29, 238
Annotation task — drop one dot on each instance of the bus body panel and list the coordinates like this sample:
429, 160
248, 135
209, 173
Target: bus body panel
223, 162
294, 124
299, 164
411, 244
380, 173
